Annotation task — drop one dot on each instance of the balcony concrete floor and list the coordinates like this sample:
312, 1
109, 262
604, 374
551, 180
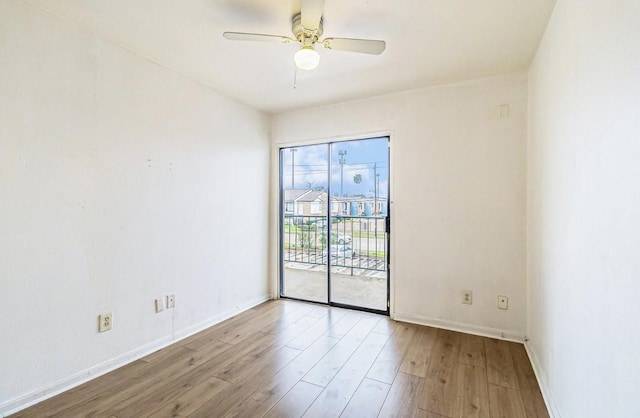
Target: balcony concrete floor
356, 287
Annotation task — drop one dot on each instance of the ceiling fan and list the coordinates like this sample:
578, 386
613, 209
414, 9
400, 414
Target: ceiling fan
307, 29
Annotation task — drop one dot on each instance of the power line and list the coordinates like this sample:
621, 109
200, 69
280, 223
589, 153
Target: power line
326, 165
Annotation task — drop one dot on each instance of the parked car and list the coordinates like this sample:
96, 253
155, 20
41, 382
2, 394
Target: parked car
340, 239
340, 251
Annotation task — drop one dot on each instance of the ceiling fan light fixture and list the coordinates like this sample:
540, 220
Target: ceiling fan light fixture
306, 58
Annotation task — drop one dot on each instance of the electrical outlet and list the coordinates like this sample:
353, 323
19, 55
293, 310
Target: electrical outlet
467, 297
171, 301
159, 305
105, 321
503, 302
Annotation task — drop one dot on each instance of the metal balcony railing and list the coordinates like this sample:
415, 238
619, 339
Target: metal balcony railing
356, 242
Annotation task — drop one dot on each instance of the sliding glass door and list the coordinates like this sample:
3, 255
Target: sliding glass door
334, 217
304, 181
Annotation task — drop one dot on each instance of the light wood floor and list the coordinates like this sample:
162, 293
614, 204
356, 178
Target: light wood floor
289, 359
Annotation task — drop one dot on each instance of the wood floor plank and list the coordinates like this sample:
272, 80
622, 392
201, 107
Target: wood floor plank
500, 368
322, 373
265, 397
346, 362
336, 395
367, 400
524, 372
421, 413
184, 402
473, 393
174, 364
168, 372
81, 394
167, 392
261, 371
165, 352
404, 396
534, 404
506, 402
308, 336
440, 389
225, 330
419, 351
527, 382
386, 326
268, 319
296, 402
218, 331
244, 368
472, 351
288, 319
256, 345
294, 330
319, 311
344, 325
386, 366
225, 401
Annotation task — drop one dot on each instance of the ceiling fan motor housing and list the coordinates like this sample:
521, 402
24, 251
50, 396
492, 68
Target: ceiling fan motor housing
301, 32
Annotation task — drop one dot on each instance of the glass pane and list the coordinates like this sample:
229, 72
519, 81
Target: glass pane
359, 203
304, 178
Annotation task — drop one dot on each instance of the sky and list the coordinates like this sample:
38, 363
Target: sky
363, 158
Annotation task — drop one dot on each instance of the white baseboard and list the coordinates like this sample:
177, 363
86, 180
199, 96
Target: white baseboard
543, 382
14, 405
460, 327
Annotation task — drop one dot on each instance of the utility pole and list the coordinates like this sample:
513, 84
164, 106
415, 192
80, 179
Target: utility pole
342, 161
293, 167
378, 189
375, 187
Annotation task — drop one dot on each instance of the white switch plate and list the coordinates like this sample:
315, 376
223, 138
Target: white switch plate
105, 322
467, 297
171, 301
159, 305
503, 302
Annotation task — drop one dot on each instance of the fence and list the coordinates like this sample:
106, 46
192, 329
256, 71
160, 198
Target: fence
352, 241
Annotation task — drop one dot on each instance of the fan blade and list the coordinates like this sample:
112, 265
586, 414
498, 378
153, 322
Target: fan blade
240, 36
363, 46
311, 13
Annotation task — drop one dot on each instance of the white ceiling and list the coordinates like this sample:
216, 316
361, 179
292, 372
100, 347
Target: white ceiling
429, 42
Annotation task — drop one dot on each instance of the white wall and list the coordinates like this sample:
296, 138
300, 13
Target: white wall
458, 192
120, 182
584, 209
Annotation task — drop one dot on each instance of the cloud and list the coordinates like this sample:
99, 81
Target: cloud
311, 165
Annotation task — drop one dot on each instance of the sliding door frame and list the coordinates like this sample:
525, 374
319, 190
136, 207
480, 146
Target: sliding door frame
280, 224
